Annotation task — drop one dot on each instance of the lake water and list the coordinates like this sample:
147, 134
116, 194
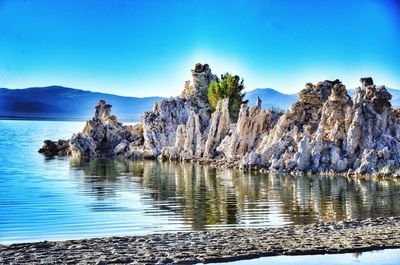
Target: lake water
381, 257
56, 199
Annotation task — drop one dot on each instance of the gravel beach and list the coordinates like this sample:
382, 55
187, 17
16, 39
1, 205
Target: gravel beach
212, 246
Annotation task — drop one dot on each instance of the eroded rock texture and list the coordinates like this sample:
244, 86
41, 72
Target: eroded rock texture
103, 136
324, 131
253, 123
191, 109
53, 148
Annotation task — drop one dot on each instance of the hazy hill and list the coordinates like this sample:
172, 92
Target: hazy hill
57, 102
62, 103
271, 97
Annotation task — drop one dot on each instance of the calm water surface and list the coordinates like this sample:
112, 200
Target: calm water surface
381, 257
56, 199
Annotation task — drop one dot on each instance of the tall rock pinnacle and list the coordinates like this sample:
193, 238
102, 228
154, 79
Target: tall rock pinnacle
201, 80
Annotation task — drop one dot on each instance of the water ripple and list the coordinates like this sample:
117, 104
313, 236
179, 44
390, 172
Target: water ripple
55, 199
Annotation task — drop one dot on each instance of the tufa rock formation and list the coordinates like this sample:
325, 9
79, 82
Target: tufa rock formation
101, 137
191, 109
51, 148
325, 131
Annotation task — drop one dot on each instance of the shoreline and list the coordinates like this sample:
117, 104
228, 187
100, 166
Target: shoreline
222, 164
213, 246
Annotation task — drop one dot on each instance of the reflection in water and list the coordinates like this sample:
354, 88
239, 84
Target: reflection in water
386, 257
59, 199
206, 198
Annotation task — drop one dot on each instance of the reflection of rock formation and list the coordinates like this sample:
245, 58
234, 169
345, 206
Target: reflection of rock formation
205, 197
102, 177
200, 196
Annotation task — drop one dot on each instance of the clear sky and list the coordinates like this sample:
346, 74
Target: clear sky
146, 48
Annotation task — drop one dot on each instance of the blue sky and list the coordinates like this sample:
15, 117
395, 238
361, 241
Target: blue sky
145, 48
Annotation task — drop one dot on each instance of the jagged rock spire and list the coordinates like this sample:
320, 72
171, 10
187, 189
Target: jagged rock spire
201, 80
102, 111
377, 95
258, 103
366, 81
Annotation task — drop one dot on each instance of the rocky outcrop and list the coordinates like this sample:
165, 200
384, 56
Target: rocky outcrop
103, 136
325, 131
174, 126
201, 79
219, 127
279, 146
253, 123
160, 125
58, 148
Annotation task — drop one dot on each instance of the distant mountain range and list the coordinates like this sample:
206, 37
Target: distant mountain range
270, 98
63, 103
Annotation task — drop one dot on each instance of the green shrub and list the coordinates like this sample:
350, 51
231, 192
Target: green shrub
277, 110
229, 86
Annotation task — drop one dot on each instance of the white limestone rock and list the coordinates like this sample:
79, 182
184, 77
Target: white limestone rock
160, 124
193, 145
324, 131
102, 134
219, 128
251, 126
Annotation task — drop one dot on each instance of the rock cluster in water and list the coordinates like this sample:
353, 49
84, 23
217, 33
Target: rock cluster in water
325, 131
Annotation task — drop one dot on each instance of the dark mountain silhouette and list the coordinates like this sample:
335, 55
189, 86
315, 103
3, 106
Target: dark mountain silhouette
271, 98
57, 102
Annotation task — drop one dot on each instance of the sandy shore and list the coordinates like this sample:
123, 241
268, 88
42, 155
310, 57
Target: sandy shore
212, 246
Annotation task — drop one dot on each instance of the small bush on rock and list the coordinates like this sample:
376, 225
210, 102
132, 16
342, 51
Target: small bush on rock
229, 86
